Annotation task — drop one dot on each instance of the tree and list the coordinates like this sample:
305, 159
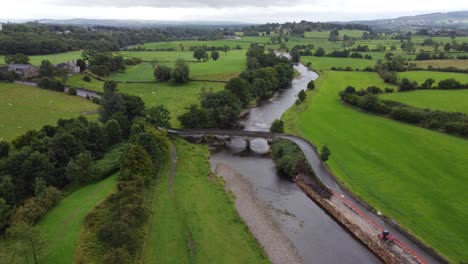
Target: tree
134, 106
195, 118
428, 83
447, 47
39, 186
277, 126
325, 153
82, 64
113, 132
223, 107
408, 46
181, 72
158, 116
214, 55
47, 69
162, 73
311, 85
29, 241
4, 149
82, 169
111, 101
302, 95
334, 35
5, 214
295, 55
136, 163
200, 54
241, 88
320, 52
18, 58
407, 85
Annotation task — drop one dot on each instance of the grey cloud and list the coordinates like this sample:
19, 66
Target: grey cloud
179, 3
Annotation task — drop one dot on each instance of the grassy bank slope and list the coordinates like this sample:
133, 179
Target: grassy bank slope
61, 226
24, 108
196, 222
412, 174
449, 100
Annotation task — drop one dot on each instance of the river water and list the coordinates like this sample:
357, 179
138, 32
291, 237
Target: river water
315, 235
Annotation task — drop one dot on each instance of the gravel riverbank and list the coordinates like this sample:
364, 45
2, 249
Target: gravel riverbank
257, 217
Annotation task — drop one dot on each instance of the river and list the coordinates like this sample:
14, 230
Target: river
314, 234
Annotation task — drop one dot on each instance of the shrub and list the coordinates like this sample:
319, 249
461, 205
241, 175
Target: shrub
162, 73
388, 90
311, 85
72, 92
86, 78
325, 153
34, 208
407, 85
51, 84
374, 90
302, 95
277, 126
449, 84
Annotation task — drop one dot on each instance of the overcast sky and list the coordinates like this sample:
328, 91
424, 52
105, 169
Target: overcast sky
224, 10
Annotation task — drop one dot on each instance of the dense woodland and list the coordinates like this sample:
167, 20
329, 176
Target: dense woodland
35, 38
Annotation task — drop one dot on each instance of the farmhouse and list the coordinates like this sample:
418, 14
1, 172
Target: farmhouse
26, 70
69, 66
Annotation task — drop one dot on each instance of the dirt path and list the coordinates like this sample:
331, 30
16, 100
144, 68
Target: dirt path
257, 217
172, 171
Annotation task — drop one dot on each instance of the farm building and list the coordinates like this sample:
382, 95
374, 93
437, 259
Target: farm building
69, 66
26, 70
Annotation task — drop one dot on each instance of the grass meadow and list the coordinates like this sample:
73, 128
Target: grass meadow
450, 100
409, 173
421, 76
460, 64
197, 222
25, 108
175, 97
328, 62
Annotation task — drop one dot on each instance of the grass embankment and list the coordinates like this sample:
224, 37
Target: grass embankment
411, 174
24, 108
61, 226
196, 222
444, 100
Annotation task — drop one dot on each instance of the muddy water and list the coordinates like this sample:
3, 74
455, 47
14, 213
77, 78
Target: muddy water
316, 236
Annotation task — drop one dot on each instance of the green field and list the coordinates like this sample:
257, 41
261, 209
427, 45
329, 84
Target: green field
197, 221
53, 58
412, 174
328, 62
421, 76
450, 100
174, 97
227, 66
61, 226
76, 80
460, 64
161, 56
24, 108
186, 44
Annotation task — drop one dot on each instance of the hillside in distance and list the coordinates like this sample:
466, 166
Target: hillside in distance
447, 20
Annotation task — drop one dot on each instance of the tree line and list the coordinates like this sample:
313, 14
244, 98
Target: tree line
35, 38
448, 122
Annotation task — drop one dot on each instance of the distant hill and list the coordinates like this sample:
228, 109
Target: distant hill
453, 20
137, 23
